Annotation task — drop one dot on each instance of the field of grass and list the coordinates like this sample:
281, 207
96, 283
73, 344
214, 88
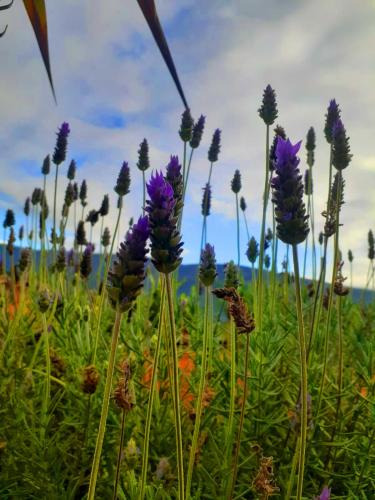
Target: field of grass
111, 390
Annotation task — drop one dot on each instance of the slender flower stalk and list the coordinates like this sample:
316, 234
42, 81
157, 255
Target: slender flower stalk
292, 228
125, 282
207, 274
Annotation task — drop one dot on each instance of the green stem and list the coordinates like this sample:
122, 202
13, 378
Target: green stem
176, 399
293, 470
238, 233
47, 390
144, 190
202, 383
232, 387
105, 406
54, 213
119, 455
233, 479
102, 296
303, 370
151, 396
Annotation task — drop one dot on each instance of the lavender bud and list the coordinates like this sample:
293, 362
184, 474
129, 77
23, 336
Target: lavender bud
197, 132
279, 132
290, 211
59, 154
325, 494
231, 275
92, 217
46, 167
75, 192
104, 208
332, 115
371, 245
206, 200
268, 110
174, 178
207, 267
20, 233
69, 195
36, 196
61, 260
81, 234
123, 180
267, 261
236, 182
83, 193
308, 182
166, 245
252, 251
310, 146
214, 150
341, 156
186, 127
86, 262
143, 158
72, 170
243, 205
25, 260
9, 220
11, 240
127, 275
106, 237
26, 208
351, 257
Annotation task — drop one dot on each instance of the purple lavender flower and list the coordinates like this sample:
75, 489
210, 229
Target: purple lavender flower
46, 167
72, 170
104, 208
341, 156
236, 182
123, 180
166, 245
143, 159
186, 128
197, 132
127, 275
59, 154
86, 261
332, 115
207, 267
214, 150
325, 494
26, 208
174, 178
252, 251
9, 219
290, 211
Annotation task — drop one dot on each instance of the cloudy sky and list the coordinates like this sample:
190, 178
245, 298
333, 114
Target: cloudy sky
114, 90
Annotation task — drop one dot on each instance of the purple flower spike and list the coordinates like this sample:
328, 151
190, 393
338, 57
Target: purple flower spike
287, 187
126, 278
166, 246
59, 154
341, 156
325, 494
174, 178
207, 267
333, 114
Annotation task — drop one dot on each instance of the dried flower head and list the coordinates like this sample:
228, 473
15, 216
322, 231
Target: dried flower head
123, 394
290, 211
264, 482
46, 167
72, 170
268, 109
207, 267
214, 150
197, 133
90, 379
143, 157
166, 245
123, 180
338, 287
236, 182
59, 154
127, 275
237, 309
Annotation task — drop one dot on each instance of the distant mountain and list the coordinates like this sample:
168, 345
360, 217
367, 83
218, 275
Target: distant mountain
187, 275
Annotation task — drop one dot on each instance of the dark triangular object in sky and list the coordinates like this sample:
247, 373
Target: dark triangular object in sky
149, 11
36, 10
